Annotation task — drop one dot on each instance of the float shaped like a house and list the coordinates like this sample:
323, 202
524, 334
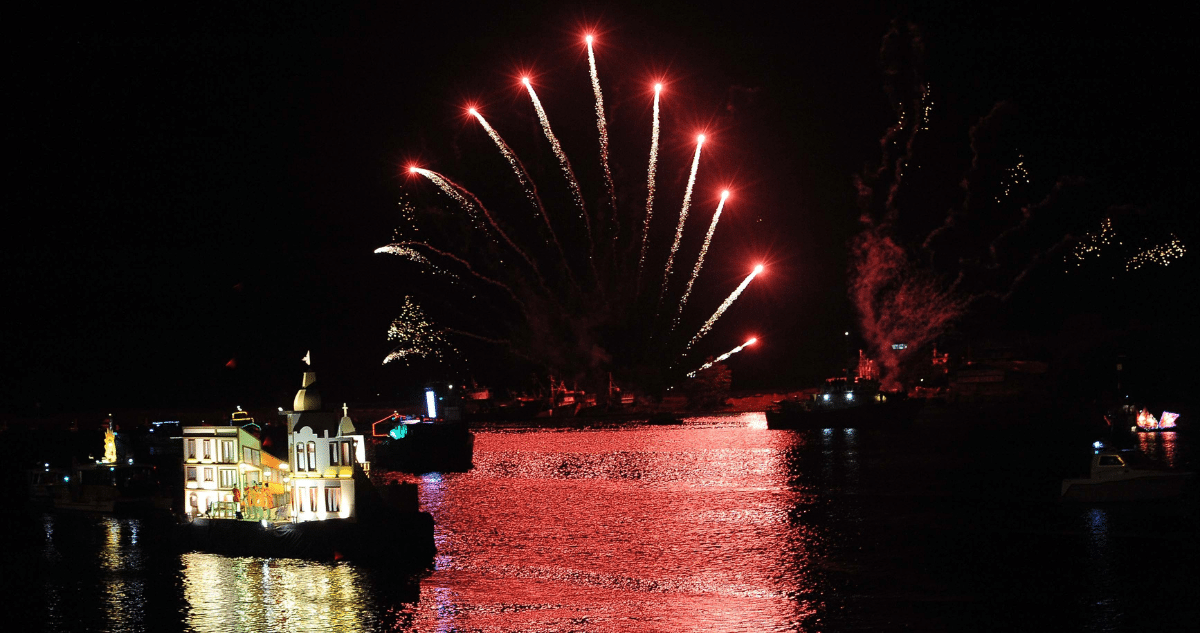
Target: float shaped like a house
227, 475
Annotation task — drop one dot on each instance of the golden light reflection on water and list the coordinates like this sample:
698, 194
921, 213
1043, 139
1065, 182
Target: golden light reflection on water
253, 594
120, 562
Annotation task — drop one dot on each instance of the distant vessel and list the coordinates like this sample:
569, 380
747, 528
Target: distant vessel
439, 441
1111, 478
843, 403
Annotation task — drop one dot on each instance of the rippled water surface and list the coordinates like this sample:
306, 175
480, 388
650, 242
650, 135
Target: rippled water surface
718, 524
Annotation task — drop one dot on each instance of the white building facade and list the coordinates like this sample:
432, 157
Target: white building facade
324, 450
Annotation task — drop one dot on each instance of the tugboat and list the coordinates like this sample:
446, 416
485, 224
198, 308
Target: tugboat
842, 404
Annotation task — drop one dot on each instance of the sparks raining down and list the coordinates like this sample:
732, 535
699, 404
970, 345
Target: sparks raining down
712, 228
416, 335
602, 128
1161, 254
586, 333
708, 325
722, 357
563, 162
650, 184
683, 211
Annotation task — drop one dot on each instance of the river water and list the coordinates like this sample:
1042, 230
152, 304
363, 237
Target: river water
715, 525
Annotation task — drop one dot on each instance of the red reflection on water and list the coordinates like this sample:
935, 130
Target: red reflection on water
1159, 446
623, 529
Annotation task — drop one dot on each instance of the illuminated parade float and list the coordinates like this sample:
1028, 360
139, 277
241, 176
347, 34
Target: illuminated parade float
227, 475
242, 501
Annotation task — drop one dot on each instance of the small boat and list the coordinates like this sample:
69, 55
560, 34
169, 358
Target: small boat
844, 404
1111, 478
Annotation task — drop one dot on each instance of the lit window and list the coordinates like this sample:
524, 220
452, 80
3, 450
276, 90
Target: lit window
347, 453
300, 462
207, 449
191, 449
227, 451
312, 498
228, 478
333, 499
208, 474
312, 461
333, 453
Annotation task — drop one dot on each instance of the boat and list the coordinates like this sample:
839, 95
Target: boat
844, 403
1113, 478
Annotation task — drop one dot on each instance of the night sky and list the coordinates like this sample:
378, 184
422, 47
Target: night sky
194, 185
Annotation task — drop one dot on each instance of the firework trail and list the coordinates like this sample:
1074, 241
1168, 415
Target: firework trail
650, 185
602, 127
518, 168
460, 194
531, 191
704, 329
405, 249
700, 260
564, 163
722, 357
687, 202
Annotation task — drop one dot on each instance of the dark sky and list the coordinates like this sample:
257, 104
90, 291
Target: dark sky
195, 185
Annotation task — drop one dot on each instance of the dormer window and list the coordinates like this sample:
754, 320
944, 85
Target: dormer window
312, 457
301, 463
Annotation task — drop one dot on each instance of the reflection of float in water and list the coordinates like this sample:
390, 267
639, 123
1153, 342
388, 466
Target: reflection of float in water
1158, 446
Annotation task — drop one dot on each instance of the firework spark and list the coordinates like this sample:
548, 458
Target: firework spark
602, 128
683, 211
650, 184
722, 357
563, 162
1161, 254
708, 325
712, 227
